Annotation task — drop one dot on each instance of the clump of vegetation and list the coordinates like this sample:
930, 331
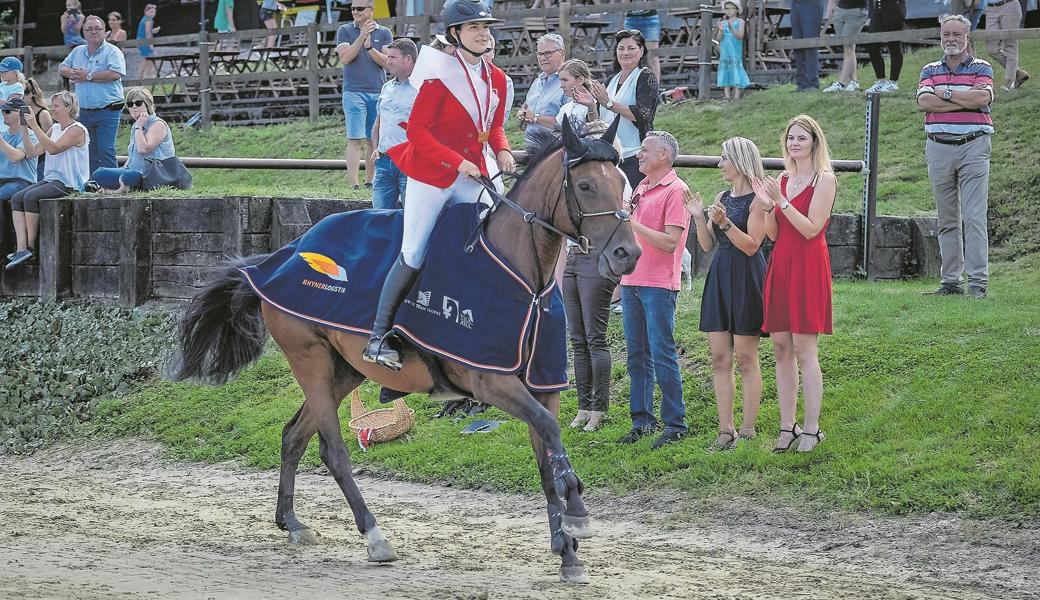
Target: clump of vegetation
59, 359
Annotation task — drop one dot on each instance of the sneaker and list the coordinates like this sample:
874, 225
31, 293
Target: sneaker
852, 86
977, 292
616, 308
91, 187
891, 87
882, 86
636, 434
18, 258
837, 86
10, 255
1020, 78
946, 289
669, 436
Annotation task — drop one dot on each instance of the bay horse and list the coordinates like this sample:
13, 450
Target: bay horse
571, 189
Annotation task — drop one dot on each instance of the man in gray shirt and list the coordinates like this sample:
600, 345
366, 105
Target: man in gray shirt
545, 97
360, 45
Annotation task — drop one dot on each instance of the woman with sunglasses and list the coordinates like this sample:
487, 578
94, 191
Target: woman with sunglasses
116, 33
455, 137
631, 95
150, 139
42, 115
68, 166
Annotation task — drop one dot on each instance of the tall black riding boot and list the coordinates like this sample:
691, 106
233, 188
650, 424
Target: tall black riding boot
398, 282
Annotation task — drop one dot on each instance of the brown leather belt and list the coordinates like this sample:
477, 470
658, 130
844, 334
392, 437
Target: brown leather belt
956, 141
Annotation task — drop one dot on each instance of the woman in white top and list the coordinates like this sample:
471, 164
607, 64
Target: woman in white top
576, 82
67, 169
632, 95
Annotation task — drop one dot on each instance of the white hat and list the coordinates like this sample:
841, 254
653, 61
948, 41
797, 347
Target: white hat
736, 3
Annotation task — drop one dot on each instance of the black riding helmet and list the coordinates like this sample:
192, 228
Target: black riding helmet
460, 12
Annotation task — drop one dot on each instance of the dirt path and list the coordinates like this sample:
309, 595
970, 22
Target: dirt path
121, 521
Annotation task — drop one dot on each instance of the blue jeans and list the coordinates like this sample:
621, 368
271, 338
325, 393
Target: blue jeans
388, 184
110, 178
102, 125
649, 319
359, 109
8, 187
806, 20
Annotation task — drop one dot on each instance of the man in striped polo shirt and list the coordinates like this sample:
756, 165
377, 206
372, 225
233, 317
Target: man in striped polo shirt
956, 93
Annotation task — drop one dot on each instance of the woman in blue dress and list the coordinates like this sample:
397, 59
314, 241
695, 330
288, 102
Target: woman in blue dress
731, 305
731, 76
146, 30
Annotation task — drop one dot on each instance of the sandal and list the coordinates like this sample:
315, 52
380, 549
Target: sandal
819, 435
795, 431
746, 433
729, 445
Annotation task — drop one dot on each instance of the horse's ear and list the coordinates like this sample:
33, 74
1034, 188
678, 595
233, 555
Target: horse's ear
571, 141
611, 131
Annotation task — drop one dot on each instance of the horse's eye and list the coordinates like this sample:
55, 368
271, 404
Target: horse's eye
583, 186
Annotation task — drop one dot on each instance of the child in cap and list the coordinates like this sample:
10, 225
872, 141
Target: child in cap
12, 82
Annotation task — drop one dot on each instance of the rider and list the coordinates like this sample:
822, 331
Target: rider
455, 136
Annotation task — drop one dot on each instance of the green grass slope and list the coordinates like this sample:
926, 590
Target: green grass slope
904, 188
930, 404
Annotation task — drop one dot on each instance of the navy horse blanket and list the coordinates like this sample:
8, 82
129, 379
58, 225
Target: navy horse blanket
468, 304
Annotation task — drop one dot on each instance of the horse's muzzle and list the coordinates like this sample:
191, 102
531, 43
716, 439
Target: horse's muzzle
621, 260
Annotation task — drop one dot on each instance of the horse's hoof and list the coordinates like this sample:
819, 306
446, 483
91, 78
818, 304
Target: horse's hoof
381, 552
303, 537
574, 574
577, 527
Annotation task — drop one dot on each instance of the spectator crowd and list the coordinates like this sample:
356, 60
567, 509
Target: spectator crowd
408, 109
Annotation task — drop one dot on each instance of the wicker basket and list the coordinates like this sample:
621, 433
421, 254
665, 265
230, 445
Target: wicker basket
380, 425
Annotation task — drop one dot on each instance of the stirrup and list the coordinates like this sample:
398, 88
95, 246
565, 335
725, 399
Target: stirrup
379, 351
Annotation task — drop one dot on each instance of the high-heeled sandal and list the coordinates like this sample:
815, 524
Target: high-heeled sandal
746, 433
730, 444
819, 435
796, 432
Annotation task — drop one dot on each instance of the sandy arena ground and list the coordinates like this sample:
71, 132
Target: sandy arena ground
110, 520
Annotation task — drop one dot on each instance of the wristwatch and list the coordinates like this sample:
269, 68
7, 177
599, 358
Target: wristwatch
609, 105
947, 94
90, 76
536, 117
784, 204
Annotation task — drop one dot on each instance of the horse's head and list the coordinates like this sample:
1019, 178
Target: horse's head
594, 190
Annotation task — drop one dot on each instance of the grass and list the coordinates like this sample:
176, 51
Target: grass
903, 183
930, 405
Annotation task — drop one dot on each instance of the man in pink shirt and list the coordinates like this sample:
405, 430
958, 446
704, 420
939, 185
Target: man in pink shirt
648, 294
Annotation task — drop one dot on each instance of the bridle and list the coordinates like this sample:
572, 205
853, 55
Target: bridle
574, 211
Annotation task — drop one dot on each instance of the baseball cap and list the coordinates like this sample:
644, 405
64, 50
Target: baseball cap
10, 63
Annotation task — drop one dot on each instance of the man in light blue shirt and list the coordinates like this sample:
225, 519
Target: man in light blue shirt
545, 96
394, 107
97, 69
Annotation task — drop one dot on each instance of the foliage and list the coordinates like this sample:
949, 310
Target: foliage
58, 359
930, 405
903, 186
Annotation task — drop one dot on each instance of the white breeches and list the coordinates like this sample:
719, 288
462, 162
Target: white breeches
422, 206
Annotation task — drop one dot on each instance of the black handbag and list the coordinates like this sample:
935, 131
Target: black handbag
166, 172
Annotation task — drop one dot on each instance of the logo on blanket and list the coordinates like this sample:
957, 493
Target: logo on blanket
324, 265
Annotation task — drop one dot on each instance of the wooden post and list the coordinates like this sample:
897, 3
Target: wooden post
565, 24
424, 28
704, 57
232, 227
870, 160
55, 248
204, 84
27, 61
135, 251
312, 72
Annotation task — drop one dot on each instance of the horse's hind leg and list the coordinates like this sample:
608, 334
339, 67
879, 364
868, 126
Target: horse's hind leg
572, 570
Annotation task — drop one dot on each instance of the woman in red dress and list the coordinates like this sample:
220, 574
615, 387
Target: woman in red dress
797, 291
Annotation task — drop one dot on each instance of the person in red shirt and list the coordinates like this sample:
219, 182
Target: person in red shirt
455, 136
648, 294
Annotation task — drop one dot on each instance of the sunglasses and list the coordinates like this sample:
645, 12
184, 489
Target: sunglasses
359, 8
137, 103
634, 202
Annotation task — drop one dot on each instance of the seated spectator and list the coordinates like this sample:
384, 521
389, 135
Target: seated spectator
116, 33
68, 164
17, 165
12, 82
34, 96
150, 138
630, 95
545, 97
575, 80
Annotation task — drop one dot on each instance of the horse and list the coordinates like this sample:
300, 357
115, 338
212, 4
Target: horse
571, 189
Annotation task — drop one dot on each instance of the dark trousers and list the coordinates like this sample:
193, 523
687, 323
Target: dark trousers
890, 18
586, 296
806, 21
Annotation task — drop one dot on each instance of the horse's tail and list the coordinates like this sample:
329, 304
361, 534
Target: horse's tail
222, 331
